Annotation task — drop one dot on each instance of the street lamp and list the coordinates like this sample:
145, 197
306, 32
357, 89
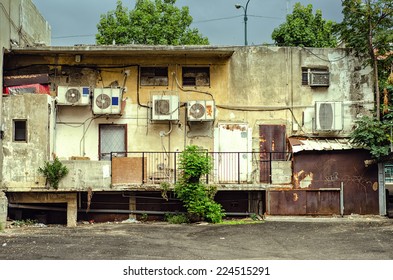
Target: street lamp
238, 6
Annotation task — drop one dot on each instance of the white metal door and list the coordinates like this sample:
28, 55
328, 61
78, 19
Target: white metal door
232, 163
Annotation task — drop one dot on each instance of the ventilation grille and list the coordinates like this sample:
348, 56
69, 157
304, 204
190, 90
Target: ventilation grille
328, 116
107, 101
319, 79
203, 110
165, 107
75, 96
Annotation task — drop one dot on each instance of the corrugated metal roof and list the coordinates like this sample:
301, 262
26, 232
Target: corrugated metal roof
317, 144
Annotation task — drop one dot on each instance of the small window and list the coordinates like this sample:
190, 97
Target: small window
315, 77
196, 76
20, 130
154, 76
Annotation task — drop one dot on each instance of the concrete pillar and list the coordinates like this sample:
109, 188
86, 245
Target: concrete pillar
132, 205
72, 210
3, 210
255, 202
382, 189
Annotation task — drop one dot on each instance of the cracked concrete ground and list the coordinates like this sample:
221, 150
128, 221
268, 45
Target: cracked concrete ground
275, 238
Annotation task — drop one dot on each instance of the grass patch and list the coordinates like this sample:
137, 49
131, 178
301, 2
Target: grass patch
176, 218
21, 223
246, 221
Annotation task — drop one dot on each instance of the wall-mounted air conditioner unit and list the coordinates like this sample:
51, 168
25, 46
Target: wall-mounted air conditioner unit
203, 110
328, 116
319, 78
165, 107
75, 96
107, 101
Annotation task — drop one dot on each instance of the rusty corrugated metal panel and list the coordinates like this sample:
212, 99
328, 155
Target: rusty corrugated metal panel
327, 169
287, 202
272, 146
299, 145
304, 202
26, 80
323, 202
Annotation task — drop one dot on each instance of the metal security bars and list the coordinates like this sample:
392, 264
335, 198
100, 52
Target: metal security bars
228, 167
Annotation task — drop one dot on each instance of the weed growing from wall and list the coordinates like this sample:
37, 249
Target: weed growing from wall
197, 198
54, 172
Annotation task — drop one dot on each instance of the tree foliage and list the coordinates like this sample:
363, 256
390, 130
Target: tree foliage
373, 135
367, 27
303, 28
151, 22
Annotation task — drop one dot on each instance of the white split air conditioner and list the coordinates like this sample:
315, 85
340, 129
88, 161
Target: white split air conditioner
107, 101
203, 110
319, 78
75, 96
328, 116
165, 107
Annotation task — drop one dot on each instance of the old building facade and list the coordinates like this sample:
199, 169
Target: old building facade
276, 121
21, 25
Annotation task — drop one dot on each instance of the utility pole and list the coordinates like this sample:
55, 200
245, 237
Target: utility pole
238, 6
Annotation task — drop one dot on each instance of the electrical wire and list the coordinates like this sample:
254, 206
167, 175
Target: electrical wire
190, 90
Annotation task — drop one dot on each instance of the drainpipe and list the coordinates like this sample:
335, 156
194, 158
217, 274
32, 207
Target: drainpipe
381, 189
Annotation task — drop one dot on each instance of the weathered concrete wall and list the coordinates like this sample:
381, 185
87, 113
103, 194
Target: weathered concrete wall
281, 172
257, 85
86, 174
270, 80
22, 23
3, 210
31, 197
22, 159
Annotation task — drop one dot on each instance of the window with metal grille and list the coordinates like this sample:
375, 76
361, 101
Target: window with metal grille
196, 76
20, 130
154, 76
113, 141
315, 77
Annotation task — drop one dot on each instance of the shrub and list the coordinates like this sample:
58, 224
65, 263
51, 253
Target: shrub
54, 172
197, 197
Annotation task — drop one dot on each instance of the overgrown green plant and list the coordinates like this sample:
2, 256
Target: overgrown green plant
54, 172
373, 135
144, 217
176, 218
21, 223
197, 197
164, 189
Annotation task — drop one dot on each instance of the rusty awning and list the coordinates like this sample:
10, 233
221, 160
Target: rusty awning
319, 144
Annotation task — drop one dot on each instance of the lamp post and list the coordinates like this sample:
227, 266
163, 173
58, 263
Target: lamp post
238, 6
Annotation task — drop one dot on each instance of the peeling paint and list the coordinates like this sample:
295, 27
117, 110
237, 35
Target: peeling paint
303, 179
375, 186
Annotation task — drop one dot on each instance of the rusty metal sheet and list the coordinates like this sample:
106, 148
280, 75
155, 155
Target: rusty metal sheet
26, 80
287, 202
327, 169
304, 202
323, 202
272, 146
299, 145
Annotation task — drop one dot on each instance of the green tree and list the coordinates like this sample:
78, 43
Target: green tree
367, 27
303, 28
151, 22
197, 198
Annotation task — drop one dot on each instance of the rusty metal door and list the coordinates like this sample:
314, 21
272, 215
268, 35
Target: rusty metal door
272, 146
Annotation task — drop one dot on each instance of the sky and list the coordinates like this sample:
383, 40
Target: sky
75, 21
